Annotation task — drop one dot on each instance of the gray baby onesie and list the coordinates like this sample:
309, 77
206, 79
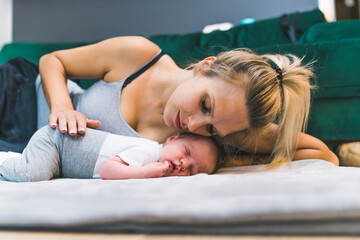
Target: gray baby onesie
51, 154
56, 154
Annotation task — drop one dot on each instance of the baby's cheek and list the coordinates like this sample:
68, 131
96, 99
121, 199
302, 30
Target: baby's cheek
185, 173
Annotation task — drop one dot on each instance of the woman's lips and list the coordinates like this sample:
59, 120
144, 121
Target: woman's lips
177, 121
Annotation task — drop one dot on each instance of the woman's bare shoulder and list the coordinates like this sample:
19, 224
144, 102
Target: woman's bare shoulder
134, 50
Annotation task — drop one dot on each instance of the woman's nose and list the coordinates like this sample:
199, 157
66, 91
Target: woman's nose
195, 124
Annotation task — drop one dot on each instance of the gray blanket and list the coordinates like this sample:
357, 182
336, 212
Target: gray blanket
302, 197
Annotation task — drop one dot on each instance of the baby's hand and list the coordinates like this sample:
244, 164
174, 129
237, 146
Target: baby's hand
157, 169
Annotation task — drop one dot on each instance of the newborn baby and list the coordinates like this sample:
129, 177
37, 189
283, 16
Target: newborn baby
97, 154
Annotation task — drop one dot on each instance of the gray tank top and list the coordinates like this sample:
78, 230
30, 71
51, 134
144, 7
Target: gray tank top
100, 102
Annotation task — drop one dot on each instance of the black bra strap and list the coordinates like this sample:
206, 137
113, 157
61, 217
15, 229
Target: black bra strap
141, 70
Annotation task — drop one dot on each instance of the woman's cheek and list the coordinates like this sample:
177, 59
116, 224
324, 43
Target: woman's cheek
167, 120
169, 115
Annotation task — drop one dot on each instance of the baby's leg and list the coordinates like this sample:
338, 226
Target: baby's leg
39, 161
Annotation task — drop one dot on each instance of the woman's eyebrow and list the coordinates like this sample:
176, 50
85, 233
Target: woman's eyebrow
212, 104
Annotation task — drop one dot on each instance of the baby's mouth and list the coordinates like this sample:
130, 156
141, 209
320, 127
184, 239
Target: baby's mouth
172, 166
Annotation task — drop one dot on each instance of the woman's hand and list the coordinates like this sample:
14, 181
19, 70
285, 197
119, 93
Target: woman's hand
156, 169
71, 121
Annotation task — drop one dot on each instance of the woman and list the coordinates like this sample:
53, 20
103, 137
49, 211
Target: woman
235, 96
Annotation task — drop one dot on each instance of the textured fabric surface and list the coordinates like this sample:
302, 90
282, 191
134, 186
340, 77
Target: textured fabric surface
345, 29
349, 154
309, 196
17, 99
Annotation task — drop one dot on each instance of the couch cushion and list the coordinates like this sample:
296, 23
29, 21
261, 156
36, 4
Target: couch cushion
188, 48
32, 51
332, 31
334, 63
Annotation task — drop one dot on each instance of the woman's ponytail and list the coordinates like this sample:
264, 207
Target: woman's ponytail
295, 93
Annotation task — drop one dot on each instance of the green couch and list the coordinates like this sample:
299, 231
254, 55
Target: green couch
334, 46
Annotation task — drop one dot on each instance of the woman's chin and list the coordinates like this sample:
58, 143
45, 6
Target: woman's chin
168, 122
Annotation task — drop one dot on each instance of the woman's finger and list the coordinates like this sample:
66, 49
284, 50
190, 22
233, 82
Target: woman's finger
71, 122
62, 119
93, 123
81, 122
52, 120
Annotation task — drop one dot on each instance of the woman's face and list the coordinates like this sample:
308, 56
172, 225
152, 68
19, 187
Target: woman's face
207, 106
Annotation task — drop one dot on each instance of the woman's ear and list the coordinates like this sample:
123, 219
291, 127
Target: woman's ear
206, 63
212, 58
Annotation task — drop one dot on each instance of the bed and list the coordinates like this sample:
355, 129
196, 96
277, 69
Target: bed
307, 197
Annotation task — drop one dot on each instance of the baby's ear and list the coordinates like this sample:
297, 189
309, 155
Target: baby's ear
173, 137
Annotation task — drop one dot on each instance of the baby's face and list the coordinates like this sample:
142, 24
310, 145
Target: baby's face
189, 155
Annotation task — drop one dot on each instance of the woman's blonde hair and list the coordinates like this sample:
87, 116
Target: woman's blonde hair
277, 89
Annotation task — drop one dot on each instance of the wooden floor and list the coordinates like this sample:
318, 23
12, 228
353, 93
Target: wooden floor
13, 235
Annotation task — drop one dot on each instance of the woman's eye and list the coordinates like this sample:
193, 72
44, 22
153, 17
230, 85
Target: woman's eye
204, 107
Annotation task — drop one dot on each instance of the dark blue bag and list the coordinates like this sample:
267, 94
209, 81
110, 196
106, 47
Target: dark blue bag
18, 109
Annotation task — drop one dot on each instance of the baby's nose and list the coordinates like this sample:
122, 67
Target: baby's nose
184, 164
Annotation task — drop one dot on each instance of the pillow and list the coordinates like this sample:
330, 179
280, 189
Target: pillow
332, 31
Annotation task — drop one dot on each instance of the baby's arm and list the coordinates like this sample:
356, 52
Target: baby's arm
115, 168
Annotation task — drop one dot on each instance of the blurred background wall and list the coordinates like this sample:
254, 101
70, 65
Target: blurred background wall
92, 20
6, 21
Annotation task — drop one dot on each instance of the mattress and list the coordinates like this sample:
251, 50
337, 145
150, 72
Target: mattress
300, 198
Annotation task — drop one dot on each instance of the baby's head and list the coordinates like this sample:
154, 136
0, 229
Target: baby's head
189, 154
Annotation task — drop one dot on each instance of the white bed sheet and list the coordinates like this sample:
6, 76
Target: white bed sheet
307, 193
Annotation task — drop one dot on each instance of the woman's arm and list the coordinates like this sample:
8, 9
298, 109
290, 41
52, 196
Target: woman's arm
115, 169
308, 147
111, 60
